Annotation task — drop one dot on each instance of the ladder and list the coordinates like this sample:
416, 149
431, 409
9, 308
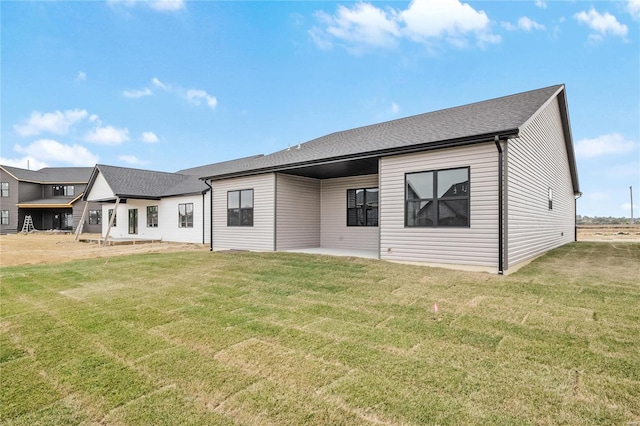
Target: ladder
27, 226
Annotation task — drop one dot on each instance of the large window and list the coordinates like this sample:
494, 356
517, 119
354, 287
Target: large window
4, 186
95, 217
185, 215
152, 216
63, 190
437, 198
4, 217
240, 208
362, 207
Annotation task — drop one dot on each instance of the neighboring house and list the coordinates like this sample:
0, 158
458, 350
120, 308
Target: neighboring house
51, 196
150, 204
487, 185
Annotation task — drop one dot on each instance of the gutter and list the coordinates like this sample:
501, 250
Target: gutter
210, 214
500, 207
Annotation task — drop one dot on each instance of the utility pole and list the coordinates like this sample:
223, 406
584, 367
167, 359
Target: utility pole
631, 195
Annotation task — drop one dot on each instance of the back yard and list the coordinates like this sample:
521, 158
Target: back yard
249, 338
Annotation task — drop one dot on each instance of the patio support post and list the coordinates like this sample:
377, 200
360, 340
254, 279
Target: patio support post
111, 220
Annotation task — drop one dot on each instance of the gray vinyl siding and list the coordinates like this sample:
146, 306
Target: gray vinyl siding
476, 245
536, 161
260, 236
297, 212
333, 222
9, 203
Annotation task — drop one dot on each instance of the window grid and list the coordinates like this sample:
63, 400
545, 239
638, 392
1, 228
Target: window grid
185, 215
4, 189
152, 216
438, 198
362, 207
240, 208
4, 217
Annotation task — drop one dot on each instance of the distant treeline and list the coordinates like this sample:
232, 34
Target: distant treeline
597, 220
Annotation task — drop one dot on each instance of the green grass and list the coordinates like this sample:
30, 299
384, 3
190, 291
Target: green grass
249, 338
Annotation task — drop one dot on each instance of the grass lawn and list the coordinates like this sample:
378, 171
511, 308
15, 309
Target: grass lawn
277, 338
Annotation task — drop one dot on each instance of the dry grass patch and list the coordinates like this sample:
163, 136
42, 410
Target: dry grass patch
249, 338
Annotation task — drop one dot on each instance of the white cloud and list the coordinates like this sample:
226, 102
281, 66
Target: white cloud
56, 122
603, 24
627, 208
541, 4
367, 26
159, 84
610, 144
131, 159
108, 135
159, 5
633, 7
82, 76
395, 108
50, 150
524, 23
149, 137
166, 5
28, 162
196, 96
137, 93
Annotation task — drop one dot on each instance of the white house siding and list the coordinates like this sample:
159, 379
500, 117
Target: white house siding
100, 190
297, 212
537, 161
260, 236
476, 245
333, 215
167, 229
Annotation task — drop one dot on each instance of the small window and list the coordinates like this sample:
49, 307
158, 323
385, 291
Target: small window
152, 216
95, 217
437, 198
4, 217
362, 207
550, 198
185, 215
4, 186
240, 208
114, 219
63, 190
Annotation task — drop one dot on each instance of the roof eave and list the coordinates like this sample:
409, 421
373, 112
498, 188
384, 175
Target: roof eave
430, 146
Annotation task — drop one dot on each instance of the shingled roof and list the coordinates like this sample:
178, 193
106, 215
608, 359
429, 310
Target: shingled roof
462, 125
51, 175
146, 184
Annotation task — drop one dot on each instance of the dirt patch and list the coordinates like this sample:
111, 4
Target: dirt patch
629, 233
27, 249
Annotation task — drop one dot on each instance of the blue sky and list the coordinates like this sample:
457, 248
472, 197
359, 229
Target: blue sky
167, 84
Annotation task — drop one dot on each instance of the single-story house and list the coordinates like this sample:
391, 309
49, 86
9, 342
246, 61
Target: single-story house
487, 186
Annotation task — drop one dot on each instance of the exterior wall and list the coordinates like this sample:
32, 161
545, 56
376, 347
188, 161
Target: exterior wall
333, 221
9, 203
167, 229
28, 191
476, 245
260, 236
100, 190
537, 161
297, 212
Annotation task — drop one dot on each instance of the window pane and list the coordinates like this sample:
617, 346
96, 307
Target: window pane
372, 197
453, 183
372, 217
351, 198
189, 209
352, 216
420, 213
233, 199
453, 213
233, 217
420, 185
247, 217
246, 199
